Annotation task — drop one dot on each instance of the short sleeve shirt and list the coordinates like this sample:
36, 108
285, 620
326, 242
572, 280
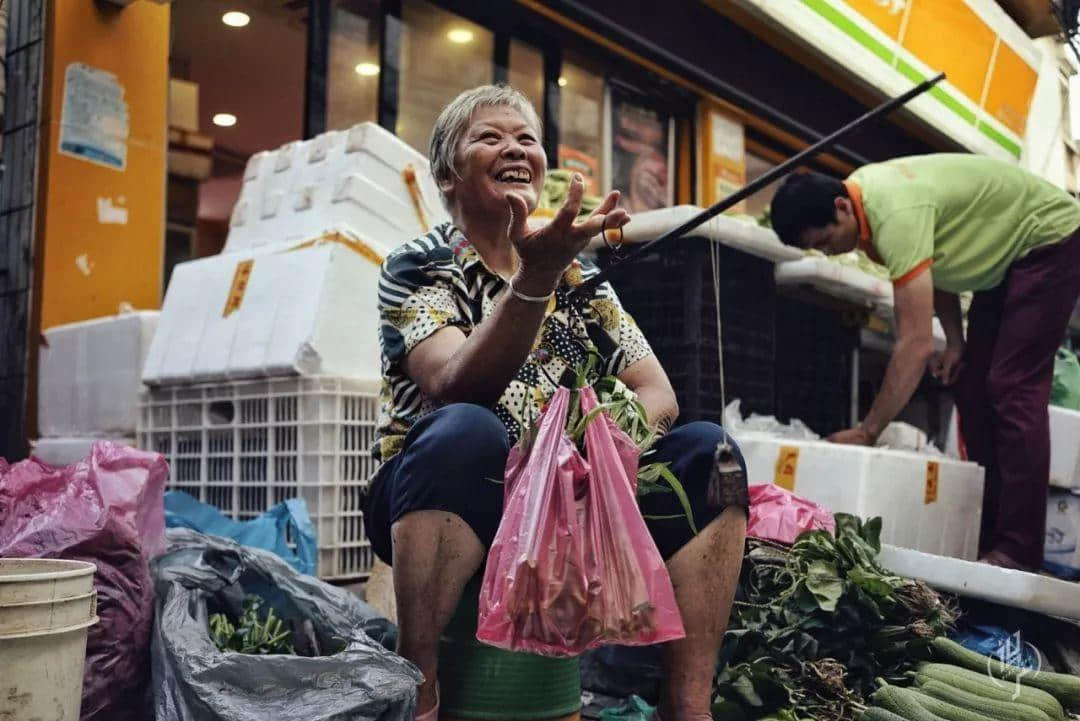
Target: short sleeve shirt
969, 216
439, 280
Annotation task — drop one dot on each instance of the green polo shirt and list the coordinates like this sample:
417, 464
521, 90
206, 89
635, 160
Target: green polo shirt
968, 216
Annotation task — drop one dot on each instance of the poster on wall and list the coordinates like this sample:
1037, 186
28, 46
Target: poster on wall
642, 153
724, 155
94, 119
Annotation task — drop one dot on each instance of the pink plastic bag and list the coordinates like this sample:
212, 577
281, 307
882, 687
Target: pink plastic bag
106, 509
573, 566
777, 514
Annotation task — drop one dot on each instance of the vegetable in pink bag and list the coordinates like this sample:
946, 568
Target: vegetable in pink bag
573, 566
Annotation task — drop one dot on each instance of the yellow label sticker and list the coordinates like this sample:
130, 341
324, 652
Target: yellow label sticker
787, 462
239, 285
933, 469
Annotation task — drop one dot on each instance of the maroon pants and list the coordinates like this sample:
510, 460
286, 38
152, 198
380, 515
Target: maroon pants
1003, 392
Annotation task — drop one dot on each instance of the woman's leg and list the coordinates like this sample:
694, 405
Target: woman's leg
436, 509
704, 568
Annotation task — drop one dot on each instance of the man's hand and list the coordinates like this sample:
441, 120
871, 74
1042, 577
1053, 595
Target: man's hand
946, 366
857, 436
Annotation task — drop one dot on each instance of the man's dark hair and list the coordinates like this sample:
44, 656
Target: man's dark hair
804, 200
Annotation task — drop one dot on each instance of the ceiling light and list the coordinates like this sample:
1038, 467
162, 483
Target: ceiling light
460, 36
562, 82
225, 120
235, 19
367, 69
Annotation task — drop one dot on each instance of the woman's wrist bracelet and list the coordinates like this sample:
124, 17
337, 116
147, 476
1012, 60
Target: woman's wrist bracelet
530, 298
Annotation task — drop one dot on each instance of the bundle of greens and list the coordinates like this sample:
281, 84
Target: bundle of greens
814, 625
250, 633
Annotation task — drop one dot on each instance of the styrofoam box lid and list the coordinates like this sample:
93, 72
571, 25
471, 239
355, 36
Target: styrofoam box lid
750, 238
65, 451
309, 311
838, 280
1018, 589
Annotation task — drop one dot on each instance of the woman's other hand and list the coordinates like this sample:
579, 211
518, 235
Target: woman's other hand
546, 252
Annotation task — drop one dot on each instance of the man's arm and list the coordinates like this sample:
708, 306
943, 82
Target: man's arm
947, 307
646, 377
914, 308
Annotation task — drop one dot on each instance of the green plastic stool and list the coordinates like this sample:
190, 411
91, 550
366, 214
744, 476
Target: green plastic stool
481, 682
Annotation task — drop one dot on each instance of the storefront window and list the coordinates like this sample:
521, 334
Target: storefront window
642, 152
581, 123
239, 97
353, 73
442, 54
526, 73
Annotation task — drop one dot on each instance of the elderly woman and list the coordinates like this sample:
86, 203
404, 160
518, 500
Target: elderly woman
477, 332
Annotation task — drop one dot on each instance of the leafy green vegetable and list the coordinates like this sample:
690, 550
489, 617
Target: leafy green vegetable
251, 634
822, 620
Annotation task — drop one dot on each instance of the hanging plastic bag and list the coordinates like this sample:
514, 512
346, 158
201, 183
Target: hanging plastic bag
573, 566
106, 509
1065, 391
270, 531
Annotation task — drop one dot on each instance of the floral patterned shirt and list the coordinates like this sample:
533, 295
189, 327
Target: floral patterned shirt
439, 280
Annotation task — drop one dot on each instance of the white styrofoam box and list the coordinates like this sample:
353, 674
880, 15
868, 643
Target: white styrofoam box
310, 311
748, 237
1061, 552
838, 280
245, 446
89, 378
1064, 446
65, 451
350, 181
929, 503
1017, 589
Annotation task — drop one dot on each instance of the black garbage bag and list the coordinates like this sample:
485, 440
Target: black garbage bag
355, 680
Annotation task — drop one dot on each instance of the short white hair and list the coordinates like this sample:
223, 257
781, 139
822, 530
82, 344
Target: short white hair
454, 120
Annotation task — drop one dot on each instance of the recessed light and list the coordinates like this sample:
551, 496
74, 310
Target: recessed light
225, 120
367, 69
460, 36
235, 19
562, 82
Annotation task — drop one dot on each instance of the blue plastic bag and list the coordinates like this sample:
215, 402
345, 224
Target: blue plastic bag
271, 531
996, 642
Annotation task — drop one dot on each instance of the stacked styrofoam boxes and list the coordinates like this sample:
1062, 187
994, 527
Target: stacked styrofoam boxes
928, 503
291, 300
350, 181
89, 383
1064, 446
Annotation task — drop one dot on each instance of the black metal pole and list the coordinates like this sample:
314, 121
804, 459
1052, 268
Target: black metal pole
751, 188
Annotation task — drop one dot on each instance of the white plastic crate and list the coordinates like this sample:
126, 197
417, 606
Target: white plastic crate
245, 446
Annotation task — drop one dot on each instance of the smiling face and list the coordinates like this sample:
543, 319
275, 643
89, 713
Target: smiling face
499, 153
840, 236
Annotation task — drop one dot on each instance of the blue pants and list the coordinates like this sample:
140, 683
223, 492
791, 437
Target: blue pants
453, 460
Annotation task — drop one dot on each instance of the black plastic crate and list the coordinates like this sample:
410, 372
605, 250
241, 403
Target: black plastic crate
813, 365
670, 294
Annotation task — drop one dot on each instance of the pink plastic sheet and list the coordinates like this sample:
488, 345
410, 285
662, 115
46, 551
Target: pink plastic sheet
106, 509
573, 565
777, 514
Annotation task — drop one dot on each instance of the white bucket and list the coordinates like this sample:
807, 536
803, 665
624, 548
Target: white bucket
46, 607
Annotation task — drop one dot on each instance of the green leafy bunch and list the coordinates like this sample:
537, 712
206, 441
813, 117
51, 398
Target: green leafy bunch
816, 622
251, 634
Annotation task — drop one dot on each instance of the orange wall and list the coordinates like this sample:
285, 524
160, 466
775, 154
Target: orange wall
89, 267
